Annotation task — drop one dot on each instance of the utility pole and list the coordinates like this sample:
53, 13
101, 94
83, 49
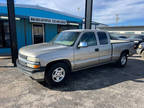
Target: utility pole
78, 10
12, 30
117, 19
88, 13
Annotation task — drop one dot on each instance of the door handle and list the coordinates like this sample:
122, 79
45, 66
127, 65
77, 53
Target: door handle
96, 50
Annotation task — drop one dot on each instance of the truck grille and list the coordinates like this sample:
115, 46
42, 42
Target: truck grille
22, 56
22, 59
23, 63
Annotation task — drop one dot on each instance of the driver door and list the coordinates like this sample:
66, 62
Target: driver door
86, 56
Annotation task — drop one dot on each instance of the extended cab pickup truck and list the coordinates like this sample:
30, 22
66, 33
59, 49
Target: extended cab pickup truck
70, 51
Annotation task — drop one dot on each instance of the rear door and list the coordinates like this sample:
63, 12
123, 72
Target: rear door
86, 56
104, 47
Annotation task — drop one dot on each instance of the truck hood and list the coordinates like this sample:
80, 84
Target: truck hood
38, 49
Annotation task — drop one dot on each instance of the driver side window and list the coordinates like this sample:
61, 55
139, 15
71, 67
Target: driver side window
90, 38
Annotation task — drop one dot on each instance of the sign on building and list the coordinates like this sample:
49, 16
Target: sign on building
47, 20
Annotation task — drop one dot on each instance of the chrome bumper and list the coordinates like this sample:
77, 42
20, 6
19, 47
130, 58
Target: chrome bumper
139, 51
37, 74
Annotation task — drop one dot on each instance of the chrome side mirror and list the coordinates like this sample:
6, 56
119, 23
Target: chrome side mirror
82, 44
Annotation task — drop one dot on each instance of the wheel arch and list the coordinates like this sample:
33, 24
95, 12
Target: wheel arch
126, 51
67, 62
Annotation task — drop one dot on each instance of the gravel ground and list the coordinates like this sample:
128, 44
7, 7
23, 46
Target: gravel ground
101, 87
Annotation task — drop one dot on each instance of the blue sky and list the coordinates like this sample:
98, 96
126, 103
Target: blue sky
130, 12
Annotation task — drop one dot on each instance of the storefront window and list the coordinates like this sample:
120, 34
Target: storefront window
38, 33
4, 35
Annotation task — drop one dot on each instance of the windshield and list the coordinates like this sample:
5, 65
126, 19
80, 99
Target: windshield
66, 38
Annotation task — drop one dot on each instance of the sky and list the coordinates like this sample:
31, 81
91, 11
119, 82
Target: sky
129, 12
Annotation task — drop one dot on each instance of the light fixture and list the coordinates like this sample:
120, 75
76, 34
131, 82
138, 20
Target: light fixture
75, 24
6, 18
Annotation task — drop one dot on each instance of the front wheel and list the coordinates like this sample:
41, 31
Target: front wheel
122, 60
56, 74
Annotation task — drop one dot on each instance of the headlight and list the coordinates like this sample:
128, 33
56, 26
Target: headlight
136, 41
32, 59
140, 46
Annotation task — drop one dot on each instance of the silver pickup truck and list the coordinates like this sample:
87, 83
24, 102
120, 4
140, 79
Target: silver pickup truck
70, 51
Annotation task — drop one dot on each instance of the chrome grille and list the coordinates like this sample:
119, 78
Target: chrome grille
22, 59
22, 56
22, 63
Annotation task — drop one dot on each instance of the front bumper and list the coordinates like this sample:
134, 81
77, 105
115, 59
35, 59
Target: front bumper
37, 74
139, 51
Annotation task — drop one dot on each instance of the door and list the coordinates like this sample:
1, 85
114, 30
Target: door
4, 35
38, 33
86, 56
1, 34
104, 47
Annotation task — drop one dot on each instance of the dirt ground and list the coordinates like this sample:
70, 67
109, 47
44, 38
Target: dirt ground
101, 87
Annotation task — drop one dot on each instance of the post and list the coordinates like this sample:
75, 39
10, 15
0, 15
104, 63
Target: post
12, 30
88, 13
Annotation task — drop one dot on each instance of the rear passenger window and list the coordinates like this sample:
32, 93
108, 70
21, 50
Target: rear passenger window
102, 38
90, 38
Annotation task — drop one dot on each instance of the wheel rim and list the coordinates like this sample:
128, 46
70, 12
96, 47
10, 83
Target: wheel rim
58, 74
123, 60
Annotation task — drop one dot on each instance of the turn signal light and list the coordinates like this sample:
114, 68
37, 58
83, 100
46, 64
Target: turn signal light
36, 66
33, 66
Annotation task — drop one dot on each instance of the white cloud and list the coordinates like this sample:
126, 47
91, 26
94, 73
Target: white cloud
68, 6
126, 9
104, 11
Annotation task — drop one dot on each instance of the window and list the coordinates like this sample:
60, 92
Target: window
4, 35
38, 33
102, 38
90, 38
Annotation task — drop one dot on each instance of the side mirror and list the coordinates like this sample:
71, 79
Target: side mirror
82, 44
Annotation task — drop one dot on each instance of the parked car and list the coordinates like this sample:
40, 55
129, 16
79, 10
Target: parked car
122, 37
70, 51
136, 40
141, 37
113, 37
140, 49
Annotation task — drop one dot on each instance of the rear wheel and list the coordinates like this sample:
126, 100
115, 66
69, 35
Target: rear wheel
56, 74
122, 60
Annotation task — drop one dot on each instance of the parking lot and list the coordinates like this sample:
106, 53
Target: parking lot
101, 87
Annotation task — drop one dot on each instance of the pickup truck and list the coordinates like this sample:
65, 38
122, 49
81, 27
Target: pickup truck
70, 51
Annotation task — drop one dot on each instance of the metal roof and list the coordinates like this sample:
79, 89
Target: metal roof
43, 8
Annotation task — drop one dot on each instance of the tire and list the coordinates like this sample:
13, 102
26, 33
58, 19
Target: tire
57, 74
122, 60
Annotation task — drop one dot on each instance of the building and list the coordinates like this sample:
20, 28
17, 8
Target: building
127, 30
34, 24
